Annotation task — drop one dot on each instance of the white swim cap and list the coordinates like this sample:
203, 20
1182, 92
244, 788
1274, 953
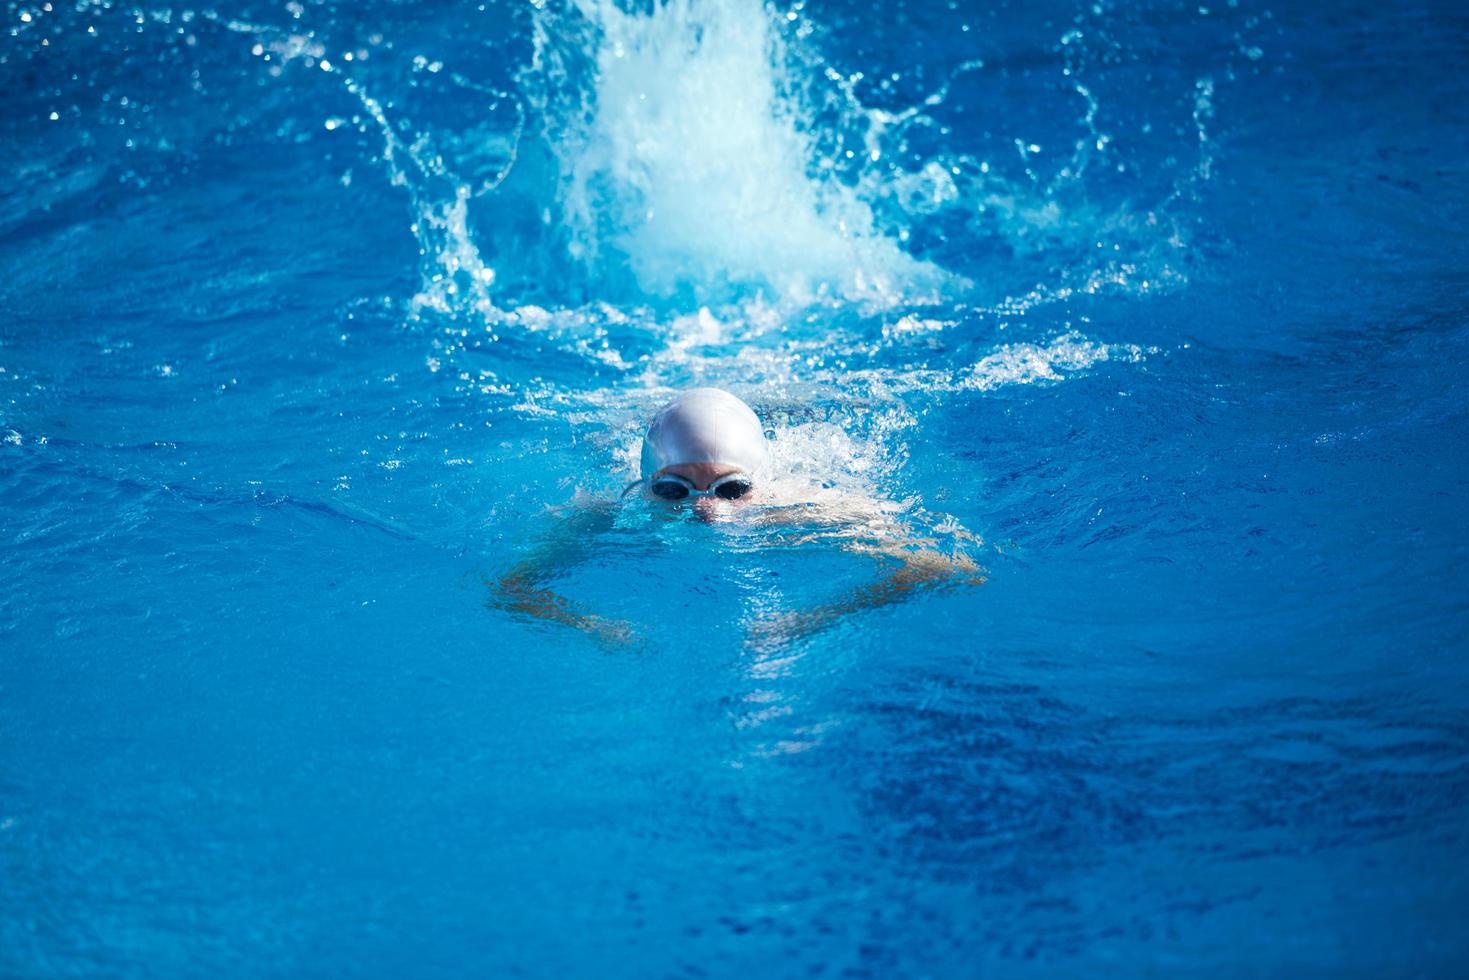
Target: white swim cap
705, 425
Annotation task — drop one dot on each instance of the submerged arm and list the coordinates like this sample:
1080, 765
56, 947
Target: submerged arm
909, 568
523, 589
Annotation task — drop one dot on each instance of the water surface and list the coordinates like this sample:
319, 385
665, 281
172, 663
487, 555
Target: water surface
316, 313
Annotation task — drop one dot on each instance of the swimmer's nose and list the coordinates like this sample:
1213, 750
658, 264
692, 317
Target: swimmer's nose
707, 508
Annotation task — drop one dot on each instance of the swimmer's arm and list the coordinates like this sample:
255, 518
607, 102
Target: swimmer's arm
523, 589
908, 570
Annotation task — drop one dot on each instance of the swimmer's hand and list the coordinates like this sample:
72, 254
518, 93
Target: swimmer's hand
616, 633
518, 593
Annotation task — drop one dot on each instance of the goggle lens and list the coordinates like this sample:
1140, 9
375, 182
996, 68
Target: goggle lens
670, 490
732, 489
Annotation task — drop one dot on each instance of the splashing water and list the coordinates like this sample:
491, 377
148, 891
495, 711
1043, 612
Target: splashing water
699, 152
688, 164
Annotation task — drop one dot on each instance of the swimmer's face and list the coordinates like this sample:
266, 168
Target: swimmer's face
703, 476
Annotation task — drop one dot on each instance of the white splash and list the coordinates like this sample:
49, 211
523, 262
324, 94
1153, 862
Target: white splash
1026, 363
688, 166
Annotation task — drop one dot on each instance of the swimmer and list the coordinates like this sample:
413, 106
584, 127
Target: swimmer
706, 450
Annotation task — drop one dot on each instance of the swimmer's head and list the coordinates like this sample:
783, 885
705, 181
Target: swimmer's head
707, 443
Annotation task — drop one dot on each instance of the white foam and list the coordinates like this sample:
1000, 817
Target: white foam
1027, 363
689, 166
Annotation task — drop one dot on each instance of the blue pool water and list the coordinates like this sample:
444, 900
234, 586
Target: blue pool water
318, 315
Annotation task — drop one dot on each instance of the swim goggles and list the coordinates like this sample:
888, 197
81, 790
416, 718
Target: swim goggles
670, 486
